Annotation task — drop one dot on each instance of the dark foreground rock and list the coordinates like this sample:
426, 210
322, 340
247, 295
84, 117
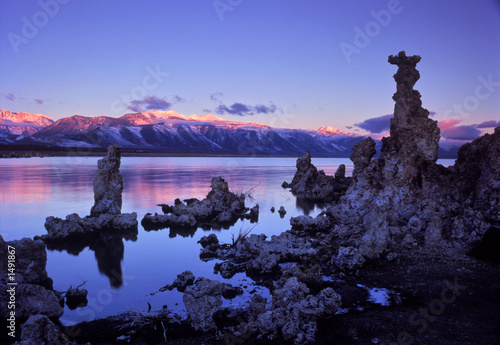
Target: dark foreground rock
33, 293
41, 331
105, 215
27, 291
220, 208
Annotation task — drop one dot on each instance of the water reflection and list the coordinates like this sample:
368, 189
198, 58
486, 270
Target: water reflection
307, 206
60, 186
109, 252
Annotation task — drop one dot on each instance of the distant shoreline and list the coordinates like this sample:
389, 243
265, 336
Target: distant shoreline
75, 153
6, 152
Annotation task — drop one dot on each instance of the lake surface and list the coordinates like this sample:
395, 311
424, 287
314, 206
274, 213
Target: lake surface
120, 274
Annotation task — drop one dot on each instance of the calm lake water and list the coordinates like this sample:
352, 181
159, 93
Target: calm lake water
34, 188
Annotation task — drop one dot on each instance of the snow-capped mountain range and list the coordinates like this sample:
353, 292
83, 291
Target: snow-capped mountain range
19, 123
171, 132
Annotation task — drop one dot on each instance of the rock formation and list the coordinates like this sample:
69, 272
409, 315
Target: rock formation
403, 199
313, 185
221, 207
182, 281
33, 292
106, 214
40, 330
108, 184
293, 313
476, 175
203, 300
255, 254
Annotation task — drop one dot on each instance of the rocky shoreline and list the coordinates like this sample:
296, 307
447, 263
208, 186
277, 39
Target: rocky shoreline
386, 262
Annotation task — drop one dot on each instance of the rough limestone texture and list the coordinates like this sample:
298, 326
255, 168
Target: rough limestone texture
39, 330
293, 313
310, 184
202, 301
221, 207
74, 225
33, 292
108, 184
255, 254
403, 199
31, 258
106, 214
477, 175
182, 281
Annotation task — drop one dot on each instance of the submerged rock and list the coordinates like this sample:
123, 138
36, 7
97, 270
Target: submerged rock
221, 207
106, 214
76, 298
182, 281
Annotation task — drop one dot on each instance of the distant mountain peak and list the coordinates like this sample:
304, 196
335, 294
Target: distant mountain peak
207, 117
22, 123
332, 132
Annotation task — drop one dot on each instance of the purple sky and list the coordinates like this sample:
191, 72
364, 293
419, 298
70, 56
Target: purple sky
285, 63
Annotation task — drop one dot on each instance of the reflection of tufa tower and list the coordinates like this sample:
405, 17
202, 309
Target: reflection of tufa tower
109, 252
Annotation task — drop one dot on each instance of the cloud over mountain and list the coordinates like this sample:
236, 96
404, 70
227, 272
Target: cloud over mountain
376, 124
489, 124
149, 103
451, 130
244, 109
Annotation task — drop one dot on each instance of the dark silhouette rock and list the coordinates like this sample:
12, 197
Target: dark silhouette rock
361, 156
38, 329
310, 184
476, 174
76, 298
489, 247
33, 290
